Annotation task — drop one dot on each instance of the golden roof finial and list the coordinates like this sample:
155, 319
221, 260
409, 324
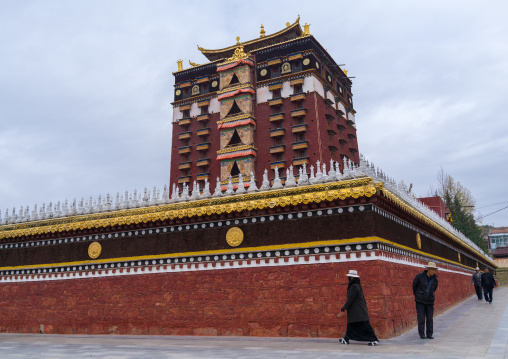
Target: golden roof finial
287, 24
306, 30
238, 40
193, 64
180, 65
262, 32
345, 71
298, 19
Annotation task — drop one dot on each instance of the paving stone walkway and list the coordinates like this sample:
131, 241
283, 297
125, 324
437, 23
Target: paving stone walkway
472, 329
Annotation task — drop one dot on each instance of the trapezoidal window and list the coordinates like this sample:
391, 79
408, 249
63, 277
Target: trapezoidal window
234, 80
235, 140
235, 171
234, 110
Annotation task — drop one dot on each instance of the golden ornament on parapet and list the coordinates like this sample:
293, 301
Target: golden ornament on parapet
418, 241
94, 250
234, 237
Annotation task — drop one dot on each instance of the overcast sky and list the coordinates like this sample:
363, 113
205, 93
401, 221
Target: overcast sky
86, 88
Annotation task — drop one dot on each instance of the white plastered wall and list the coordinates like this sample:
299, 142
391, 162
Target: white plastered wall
263, 94
214, 106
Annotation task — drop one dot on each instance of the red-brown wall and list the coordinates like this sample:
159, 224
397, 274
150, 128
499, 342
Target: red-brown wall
298, 300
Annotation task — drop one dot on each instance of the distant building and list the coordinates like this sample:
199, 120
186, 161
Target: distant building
498, 239
278, 101
437, 205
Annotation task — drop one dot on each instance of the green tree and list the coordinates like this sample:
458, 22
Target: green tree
461, 203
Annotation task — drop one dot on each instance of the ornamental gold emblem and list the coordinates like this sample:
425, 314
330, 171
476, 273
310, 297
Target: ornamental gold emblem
418, 241
94, 250
234, 236
459, 256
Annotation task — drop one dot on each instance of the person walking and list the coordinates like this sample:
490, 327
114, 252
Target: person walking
488, 284
477, 282
358, 321
424, 286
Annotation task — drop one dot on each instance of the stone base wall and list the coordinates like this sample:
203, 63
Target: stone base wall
287, 300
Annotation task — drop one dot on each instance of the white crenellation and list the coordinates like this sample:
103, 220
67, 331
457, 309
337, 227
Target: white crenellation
135, 200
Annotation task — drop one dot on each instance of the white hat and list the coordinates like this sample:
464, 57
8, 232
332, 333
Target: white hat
431, 265
477, 268
353, 273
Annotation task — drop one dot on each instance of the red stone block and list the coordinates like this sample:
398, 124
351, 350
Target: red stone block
298, 330
264, 329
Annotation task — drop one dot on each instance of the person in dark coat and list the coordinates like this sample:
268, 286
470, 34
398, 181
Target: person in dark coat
424, 286
488, 284
358, 325
477, 282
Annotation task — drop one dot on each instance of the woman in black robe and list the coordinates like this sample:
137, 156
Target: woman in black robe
358, 325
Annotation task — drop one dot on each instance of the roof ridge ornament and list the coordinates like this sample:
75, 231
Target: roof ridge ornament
306, 30
262, 32
193, 64
239, 54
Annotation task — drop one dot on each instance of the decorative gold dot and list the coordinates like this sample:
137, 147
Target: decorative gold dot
264, 72
178, 92
306, 61
234, 237
94, 250
214, 84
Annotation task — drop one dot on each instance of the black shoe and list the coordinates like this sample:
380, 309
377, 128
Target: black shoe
422, 337
430, 337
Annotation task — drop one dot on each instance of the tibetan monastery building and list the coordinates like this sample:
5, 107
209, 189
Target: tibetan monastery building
266, 254
273, 102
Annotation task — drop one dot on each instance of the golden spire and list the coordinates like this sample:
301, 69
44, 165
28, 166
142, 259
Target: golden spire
238, 40
180, 65
262, 32
306, 30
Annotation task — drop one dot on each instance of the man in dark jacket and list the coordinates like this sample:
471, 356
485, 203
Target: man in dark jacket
477, 282
488, 284
424, 286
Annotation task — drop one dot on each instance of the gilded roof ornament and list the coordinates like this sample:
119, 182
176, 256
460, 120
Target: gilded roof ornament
262, 32
345, 71
193, 64
180, 65
239, 54
306, 30
238, 40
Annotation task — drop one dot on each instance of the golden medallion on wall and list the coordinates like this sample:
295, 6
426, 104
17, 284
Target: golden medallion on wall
94, 250
418, 241
234, 236
459, 256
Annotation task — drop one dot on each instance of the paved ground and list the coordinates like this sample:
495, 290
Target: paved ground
473, 329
